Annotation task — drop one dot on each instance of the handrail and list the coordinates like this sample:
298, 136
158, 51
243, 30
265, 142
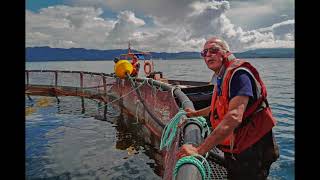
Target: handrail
69, 71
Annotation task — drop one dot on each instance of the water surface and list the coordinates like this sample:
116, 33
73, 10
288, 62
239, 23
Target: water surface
63, 142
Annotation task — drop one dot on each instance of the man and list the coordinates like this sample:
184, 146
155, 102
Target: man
136, 66
240, 116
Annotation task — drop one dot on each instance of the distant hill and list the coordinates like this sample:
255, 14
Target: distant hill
267, 53
76, 54
72, 54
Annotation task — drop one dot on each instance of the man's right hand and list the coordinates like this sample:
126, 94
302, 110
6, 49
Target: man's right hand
191, 113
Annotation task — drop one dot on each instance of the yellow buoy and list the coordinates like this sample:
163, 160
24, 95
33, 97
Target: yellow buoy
122, 67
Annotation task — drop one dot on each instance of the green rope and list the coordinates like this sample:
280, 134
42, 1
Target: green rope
203, 122
166, 141
169, 131
203, 166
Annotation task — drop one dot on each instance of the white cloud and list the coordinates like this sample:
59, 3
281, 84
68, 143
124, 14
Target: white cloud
124, 27
244, 13
277, 35
184, 29
272, 44
252, 14
61, 25
202, 20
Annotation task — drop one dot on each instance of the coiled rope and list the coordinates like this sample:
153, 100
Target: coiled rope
168, 135
170, 130
203, 123
202, 165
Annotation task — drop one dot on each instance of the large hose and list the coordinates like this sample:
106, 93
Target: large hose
186, 169
192, 132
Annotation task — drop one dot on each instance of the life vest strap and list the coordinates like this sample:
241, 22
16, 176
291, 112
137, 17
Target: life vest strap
254, 107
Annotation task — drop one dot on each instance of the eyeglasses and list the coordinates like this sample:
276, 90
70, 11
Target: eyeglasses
213, 50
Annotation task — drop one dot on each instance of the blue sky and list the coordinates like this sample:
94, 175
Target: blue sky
35, 5
166, 25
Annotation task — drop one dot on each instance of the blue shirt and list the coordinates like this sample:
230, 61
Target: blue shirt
242, 84
213, 79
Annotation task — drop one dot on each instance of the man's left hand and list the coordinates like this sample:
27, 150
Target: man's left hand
187, 150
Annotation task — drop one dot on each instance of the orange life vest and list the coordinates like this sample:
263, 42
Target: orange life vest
257, 119
135, 65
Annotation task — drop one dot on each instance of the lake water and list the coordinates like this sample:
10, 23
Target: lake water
63, 142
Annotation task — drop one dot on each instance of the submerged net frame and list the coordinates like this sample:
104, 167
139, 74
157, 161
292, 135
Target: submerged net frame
100, 86
68, 83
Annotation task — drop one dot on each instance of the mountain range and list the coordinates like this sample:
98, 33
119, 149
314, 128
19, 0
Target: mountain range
75, 54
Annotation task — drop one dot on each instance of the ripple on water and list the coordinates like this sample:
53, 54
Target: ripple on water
76, 145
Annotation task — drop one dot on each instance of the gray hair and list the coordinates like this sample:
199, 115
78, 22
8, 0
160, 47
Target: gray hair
223, 45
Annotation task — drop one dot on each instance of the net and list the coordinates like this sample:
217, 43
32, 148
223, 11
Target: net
151, 105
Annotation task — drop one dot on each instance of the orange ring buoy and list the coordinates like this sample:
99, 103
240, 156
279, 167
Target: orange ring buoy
147, 64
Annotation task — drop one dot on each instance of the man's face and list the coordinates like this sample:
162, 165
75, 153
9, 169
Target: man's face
212, 56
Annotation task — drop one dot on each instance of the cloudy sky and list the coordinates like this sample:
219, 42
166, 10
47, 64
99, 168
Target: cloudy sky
159, 25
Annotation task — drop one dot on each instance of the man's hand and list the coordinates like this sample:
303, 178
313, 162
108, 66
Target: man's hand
190, 112
187, 150
194, 113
